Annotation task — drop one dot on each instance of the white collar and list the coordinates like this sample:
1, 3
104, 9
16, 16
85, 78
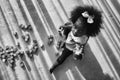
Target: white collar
76, 39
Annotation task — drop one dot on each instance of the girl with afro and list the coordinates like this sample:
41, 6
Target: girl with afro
85, 22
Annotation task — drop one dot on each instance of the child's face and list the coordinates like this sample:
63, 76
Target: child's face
78, 29
78, 23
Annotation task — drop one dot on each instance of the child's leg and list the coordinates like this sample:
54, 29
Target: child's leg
61, 59
65, 53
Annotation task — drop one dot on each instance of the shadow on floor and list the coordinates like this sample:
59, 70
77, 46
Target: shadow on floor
88, 66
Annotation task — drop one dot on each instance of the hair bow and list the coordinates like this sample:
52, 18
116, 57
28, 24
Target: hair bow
89, 18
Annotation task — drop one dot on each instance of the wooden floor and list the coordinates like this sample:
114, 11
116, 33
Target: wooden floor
25, 25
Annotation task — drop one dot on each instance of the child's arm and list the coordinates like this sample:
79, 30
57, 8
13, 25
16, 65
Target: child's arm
80, 47
65, 29
63, 33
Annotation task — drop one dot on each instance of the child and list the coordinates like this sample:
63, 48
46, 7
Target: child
85, 22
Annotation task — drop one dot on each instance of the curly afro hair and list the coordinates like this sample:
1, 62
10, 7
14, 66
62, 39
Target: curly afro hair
92, 29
